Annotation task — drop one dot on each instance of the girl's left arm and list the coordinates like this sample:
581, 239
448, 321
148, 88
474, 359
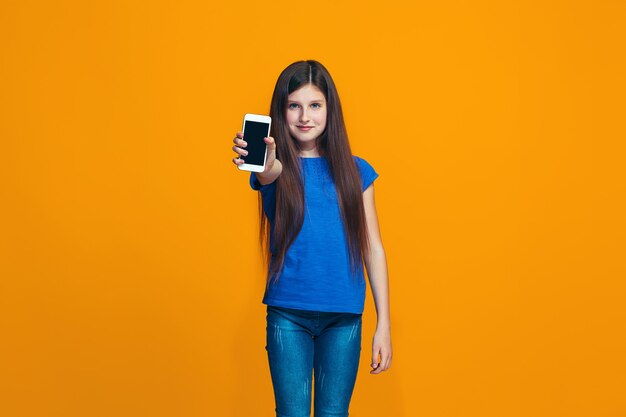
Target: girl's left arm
376, 264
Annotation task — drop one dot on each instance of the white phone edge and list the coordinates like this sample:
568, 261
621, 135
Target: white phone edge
262, 119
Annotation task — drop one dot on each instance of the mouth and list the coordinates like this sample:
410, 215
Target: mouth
305, 128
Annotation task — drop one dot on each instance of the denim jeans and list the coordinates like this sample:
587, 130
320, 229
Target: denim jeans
305, 346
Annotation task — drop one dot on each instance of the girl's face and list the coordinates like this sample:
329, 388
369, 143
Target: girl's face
306, 115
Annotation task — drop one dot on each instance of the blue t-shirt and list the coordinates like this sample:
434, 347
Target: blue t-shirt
316, 273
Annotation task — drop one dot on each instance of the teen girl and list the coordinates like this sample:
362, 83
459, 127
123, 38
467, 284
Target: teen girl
318, 227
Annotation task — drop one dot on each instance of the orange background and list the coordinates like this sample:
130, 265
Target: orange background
131, 277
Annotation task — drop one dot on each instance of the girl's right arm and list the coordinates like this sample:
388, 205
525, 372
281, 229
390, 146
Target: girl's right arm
273, 167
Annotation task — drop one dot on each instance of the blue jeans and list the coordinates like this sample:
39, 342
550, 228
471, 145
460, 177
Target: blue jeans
304, 345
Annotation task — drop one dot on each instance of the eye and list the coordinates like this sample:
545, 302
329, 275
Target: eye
292, 106
316, 105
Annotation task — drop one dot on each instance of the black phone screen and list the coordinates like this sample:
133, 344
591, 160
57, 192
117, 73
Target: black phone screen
253, 134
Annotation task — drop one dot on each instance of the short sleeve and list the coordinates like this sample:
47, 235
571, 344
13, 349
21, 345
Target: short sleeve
368, 174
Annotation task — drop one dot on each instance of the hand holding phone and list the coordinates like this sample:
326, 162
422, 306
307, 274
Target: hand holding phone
252, 144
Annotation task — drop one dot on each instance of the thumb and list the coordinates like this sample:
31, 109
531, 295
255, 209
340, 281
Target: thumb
271, 149
375, 358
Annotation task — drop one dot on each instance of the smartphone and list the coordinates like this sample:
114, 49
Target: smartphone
255, 128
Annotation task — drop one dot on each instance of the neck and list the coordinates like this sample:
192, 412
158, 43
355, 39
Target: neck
309, 153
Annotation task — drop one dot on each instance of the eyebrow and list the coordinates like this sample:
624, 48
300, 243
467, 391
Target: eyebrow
312, 101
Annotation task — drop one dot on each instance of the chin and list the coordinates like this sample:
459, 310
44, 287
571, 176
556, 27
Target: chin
305, 137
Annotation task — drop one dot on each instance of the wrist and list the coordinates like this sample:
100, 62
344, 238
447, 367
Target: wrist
273, 169
270, 174
383, 325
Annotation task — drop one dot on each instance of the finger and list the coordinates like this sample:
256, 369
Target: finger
384, 358
240, 142
377, 370
385, 362
240, 151
239, 135
238, 161
270, 141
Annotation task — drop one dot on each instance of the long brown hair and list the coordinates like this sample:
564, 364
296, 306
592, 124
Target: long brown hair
332, 144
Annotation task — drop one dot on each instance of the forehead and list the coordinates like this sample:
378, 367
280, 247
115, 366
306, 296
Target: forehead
307, 92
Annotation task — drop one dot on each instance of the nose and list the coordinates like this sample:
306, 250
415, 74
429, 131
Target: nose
304, 118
